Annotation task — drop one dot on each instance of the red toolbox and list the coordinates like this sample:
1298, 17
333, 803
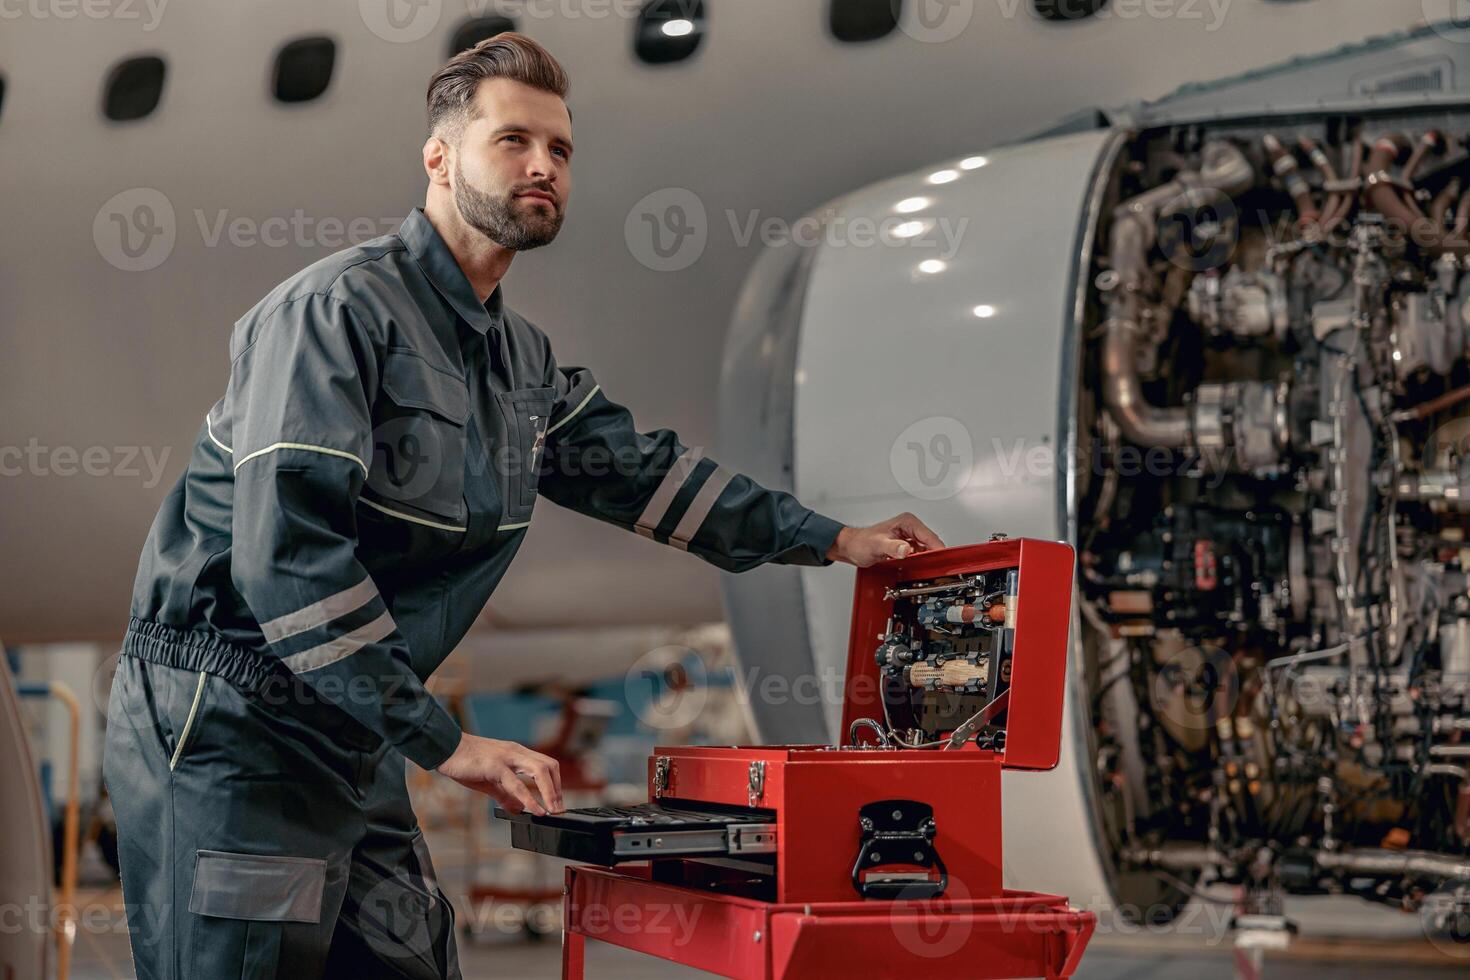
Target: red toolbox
820, 860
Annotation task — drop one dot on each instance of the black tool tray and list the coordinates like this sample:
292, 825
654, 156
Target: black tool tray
608, 835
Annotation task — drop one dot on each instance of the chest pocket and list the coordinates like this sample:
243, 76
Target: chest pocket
524, 415
419, 439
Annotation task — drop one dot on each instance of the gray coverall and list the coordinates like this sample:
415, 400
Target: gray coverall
348, 508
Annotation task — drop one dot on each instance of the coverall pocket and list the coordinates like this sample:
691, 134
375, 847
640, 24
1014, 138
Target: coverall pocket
419, 437
191, 721
244, 903
525, 414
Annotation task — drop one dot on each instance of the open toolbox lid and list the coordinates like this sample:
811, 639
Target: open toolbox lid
1029, 649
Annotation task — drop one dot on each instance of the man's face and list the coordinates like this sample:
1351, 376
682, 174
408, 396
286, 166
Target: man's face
511, 172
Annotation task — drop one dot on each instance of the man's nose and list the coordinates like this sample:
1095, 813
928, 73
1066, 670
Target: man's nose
540, 165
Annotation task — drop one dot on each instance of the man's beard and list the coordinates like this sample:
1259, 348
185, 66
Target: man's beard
500, 220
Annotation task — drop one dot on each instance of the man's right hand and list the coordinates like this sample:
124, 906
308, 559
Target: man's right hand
493, 767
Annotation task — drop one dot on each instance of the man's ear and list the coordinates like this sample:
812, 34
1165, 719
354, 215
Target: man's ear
436, 161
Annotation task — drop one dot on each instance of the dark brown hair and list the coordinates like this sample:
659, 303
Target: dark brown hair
506, 55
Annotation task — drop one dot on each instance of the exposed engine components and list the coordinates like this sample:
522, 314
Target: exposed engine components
946, 654
1278, 607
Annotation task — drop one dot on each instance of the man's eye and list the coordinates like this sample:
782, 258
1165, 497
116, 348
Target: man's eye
562, 152
512, 137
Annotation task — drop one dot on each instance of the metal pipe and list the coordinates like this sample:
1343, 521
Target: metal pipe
1142, 423
1351, 198
1440, 206
1177, 857
1366, 861
1427, 142
1450, 751
1224, 169
1379, 862
1286, 168
1384, 196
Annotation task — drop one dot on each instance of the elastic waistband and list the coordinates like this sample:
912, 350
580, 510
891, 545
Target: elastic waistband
197, 650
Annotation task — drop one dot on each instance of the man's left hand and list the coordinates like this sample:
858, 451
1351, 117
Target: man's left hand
896, 537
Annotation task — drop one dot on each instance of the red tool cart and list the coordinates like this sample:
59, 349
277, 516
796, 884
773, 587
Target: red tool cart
879, 857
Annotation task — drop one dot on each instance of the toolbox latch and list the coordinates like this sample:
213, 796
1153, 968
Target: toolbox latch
662, 765
755, 785
898, 836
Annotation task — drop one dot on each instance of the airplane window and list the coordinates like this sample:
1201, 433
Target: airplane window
304, 69
1069, 9
134, 88
852, 21
669, 30
477, 29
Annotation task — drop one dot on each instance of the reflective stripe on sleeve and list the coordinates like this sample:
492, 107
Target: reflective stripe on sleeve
663, 497
573, 413
324, 450
320, 613
410, 518
209, 427
699, 508
343, 646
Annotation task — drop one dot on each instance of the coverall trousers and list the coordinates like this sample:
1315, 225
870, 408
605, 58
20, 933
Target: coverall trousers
258, 840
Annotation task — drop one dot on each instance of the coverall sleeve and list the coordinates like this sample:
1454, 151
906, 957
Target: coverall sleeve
599, 464
300, 394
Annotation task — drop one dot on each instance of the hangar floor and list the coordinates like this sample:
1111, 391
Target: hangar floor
1384, 945
105, 957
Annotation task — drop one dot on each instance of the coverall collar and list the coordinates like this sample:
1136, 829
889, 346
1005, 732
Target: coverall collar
438, 263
